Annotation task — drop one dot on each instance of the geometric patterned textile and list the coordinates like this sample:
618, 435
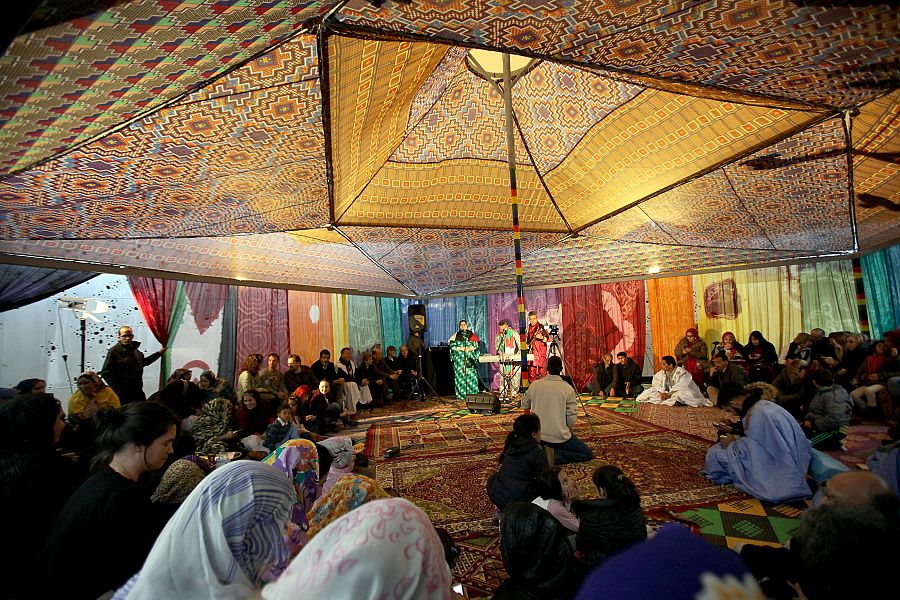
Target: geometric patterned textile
747, 521
339, 146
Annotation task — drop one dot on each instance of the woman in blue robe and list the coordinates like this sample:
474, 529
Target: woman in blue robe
770, 460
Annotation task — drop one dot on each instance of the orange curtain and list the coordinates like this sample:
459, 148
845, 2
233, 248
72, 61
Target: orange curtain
309, 315
671, 313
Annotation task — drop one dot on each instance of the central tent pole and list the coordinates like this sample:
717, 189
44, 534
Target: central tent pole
514, 201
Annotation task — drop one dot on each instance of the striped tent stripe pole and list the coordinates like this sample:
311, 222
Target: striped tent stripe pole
861, 301
514, 203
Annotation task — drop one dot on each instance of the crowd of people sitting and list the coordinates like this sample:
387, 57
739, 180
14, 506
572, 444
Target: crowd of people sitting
137, 498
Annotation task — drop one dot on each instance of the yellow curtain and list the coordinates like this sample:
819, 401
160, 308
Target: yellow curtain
766, 299
671, 302
339, 323
309, 315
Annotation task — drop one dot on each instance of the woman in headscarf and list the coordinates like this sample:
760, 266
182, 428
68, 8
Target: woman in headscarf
349, 493
213, 429
761, 357
32, 386
35, 483
223, 540
537, 555
179, 481
692, 354
731, 348
92, 394
386, 548
215, 387
342, 459
253, 416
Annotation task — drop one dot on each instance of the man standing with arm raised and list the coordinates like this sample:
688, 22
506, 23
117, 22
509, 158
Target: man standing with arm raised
123, 368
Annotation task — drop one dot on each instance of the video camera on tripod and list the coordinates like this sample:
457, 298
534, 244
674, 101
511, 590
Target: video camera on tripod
554, 330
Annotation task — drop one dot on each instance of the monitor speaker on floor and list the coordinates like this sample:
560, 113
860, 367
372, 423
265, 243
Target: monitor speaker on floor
483, 403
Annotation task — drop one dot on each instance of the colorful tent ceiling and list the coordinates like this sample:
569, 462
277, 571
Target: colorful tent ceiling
335, 145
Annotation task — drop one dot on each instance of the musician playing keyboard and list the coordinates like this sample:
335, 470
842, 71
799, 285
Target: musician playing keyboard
506, 345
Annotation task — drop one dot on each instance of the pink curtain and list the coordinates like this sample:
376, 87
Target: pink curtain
602, 318
262, 323
207, 301
156, 299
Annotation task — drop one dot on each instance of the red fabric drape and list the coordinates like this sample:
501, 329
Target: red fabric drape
207, 301
262, 323
602, 318
156, 299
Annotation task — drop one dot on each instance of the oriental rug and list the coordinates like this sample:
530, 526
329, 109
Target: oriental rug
694, 421
746, 521
861, 441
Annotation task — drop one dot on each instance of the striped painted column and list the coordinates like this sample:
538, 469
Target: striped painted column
861, 306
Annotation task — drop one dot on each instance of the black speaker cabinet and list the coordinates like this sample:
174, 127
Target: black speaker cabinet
416, 315
483, 403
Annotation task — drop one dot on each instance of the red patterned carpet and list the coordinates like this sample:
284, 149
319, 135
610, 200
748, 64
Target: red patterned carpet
443, 467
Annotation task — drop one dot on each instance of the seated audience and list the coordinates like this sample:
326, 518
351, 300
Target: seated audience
828, 419
179, 375
770, 460
108, 526
213, 430
537, 555
800, 349
306, 465
673, 386
793, 391
821, 347
556, 492
605, 377
324, 369
674, 564
692, 354
311, 408
92, 394
282, 429
521, 461
405, 560
215, 387
731, 348
343, 459
349, 493
612, 522
555, 402
183, 397
348, 393
273, 379
249, 379
252, 417
629, 377
869, 378
723, 373
36, 483
405, 365
298, 374
223, 541
761, 358
391, 357
385, 373
32, 386
851, 360
179, 480
368, 378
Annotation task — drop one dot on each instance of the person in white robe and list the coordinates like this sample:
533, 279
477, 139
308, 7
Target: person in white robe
349, 393
673, 385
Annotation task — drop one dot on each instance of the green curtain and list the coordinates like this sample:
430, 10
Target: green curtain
474, 309
175, 317
828, 296
392, 323
363, 329
881, 280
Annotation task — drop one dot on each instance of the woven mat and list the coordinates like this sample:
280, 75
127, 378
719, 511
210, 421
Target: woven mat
746, 521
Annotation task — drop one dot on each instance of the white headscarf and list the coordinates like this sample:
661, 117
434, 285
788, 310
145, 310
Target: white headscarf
385, 549
225, 536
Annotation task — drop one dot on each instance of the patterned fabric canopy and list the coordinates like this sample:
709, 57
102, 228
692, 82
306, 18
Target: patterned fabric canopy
336, 145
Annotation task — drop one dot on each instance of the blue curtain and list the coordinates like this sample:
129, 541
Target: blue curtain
440, 316
20, 285
363, 327
474, 309
881, 280
394, 323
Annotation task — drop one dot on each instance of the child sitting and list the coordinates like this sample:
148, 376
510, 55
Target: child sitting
282, 429
556, 492
521, 461
828, 419
611, 523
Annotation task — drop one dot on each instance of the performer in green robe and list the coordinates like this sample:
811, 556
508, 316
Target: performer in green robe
464, 354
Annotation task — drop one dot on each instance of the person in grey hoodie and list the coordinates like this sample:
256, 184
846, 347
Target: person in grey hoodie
828, 419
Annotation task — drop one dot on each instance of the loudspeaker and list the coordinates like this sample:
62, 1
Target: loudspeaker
483, 403
416, 315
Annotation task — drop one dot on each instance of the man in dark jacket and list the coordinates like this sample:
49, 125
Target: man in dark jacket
123, 369
629, 377
722, 372
605, 377
299, 374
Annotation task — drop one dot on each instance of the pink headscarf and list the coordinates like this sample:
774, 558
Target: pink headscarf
93, 377
383, 549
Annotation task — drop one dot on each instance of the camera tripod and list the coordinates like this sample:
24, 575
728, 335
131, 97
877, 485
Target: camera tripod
553, 347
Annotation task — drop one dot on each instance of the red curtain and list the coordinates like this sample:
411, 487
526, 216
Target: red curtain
262, 323
207, 301
602, 318
156, 299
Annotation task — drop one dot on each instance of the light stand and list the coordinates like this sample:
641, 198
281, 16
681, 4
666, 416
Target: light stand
83, 309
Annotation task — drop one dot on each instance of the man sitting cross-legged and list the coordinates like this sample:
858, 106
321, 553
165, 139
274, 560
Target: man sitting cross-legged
555, 402
673, 385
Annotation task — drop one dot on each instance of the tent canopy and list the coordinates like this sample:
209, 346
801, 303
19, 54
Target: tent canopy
337, 145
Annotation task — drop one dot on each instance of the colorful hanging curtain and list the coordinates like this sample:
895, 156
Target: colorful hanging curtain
829, 297
206, 301
309, 314
363, 326
162, 303
228, 348
671, 305
340, 337
610, 317
262, 325
20, 285
881, 279
767, 300
440, 316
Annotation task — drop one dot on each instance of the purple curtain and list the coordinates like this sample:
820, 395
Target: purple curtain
21, 285
505, 306
207, 301
262, 323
